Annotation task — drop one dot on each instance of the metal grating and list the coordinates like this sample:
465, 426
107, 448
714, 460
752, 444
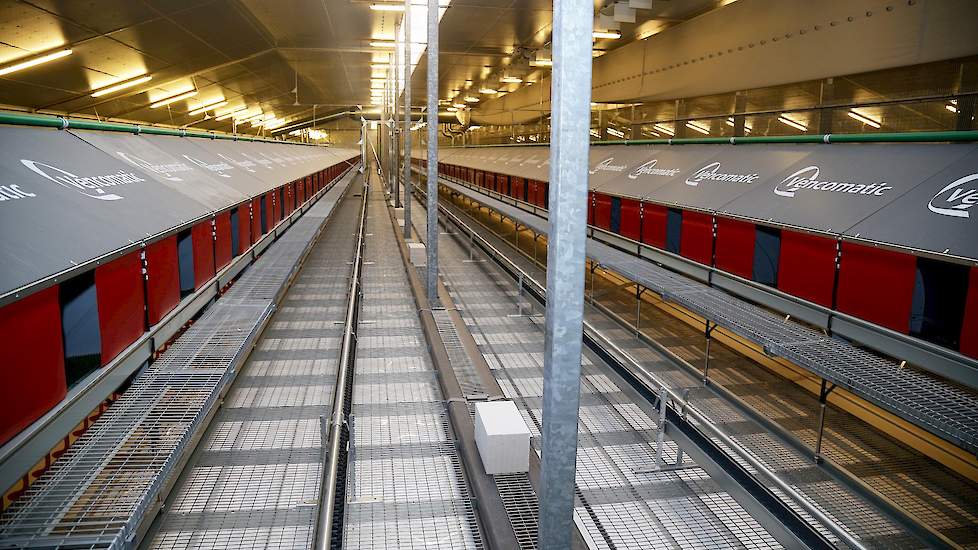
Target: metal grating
96, 494
520, 501
935, 405
405, 487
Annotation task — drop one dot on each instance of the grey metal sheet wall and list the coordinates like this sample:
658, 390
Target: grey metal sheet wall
647, 168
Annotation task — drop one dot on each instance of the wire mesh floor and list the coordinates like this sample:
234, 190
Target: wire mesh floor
95, 495
405, 484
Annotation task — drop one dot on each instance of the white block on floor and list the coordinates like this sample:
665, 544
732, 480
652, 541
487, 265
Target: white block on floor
502, 437
417, 254
398, 213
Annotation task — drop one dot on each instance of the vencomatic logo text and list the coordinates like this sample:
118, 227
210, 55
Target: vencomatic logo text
956, 198
807, 179
90, 186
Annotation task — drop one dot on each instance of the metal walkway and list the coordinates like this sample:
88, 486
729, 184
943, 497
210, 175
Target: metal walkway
252, 482
624, 499
935, 496
405, 485
97, 494
931, 403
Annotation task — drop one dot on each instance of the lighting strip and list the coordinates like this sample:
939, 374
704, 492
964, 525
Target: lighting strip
613, 35
34, 62
122, 86
797, 125
863, 118
208, 107
664, 129
173, 99
228, 115
698, 128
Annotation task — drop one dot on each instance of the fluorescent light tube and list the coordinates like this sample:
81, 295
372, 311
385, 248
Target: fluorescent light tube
174, 99
121, 86
34, 62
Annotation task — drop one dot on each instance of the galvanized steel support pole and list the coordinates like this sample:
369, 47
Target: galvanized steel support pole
569, 135
407, 119
394, 173
431, 283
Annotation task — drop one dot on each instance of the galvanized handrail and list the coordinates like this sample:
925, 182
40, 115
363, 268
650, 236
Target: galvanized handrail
331, 450
653, 383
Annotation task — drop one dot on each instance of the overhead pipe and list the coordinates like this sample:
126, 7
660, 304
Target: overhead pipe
65, 123
881, 137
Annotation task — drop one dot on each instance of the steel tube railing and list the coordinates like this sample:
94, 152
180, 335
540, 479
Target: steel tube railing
331, 450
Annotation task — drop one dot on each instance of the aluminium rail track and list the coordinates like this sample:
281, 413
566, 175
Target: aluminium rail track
108, 484
948, 522
628, 495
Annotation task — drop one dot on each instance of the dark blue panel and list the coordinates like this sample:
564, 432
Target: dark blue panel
235, 242
185, 259
939, 298
615, 215
767, 252
80, 327
674, 228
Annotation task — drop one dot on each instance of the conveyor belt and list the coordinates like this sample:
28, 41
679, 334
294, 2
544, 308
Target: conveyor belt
405, 484
939, 407
96, 494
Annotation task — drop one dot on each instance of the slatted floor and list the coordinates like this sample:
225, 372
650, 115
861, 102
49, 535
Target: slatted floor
405, 486
622, 502
253, 481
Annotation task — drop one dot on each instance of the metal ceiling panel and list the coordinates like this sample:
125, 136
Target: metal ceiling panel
836, 186
938, 216
65, 202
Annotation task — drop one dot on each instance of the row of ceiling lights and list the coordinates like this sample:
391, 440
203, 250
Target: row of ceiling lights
268, 121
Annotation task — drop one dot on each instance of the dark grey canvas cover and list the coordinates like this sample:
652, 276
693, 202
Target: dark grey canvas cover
939, 215
732, 171
176, 172
196, 152
836, 186
65, 202
644, 168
